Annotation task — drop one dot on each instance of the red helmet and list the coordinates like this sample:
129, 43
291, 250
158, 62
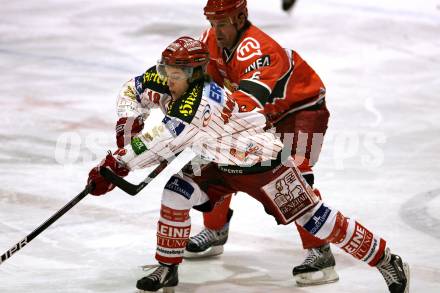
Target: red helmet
220, 9
186, 51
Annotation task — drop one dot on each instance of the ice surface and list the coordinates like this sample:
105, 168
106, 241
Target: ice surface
61, 66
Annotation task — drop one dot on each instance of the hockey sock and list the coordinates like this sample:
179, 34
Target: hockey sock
173, 231
348, 234
218, 217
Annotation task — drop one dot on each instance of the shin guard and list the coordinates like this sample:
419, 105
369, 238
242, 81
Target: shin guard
172, 235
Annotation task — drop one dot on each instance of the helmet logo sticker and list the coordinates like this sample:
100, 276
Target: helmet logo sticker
248, 48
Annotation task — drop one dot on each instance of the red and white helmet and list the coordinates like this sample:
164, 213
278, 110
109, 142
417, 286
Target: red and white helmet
221, 9
185, 52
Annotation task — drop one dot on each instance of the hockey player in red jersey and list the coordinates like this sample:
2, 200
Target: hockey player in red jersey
261, 74
241, 157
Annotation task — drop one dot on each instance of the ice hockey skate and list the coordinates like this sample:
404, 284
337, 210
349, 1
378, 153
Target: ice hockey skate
164, 277
317, 268
395, 272
207, 243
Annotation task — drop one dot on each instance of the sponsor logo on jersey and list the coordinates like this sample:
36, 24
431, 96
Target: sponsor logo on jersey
248, 49
253, 149
260, 62
138, 84
147, 137
318, 220
180, 186
215, 93
152, 133
206, 117
243, 155
173, 125
230, 171
138, 146
129, 92
153, 76
186, 107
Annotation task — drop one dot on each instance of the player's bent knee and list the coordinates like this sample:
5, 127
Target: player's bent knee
182, 193
324, 222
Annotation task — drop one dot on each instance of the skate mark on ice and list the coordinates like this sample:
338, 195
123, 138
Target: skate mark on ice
415, 213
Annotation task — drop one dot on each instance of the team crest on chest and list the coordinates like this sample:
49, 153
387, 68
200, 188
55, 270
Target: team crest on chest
248, 48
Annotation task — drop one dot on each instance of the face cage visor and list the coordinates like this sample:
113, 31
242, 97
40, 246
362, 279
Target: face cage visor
185, 73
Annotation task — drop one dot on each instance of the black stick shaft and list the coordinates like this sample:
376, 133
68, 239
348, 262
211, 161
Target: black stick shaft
128, 187
19, 245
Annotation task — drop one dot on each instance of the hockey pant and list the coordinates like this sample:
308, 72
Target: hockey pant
308, 128
218, 217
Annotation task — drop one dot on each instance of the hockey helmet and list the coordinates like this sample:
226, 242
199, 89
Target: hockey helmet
221, 9
186, 53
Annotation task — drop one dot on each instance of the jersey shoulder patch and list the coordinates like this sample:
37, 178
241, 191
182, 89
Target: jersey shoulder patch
186, 107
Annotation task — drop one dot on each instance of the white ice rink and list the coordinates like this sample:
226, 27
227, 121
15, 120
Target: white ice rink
62, 64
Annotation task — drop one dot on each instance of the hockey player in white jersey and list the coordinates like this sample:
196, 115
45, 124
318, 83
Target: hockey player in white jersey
241, 155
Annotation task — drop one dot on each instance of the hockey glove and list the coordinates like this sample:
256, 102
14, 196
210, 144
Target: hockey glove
103, 186
126, 128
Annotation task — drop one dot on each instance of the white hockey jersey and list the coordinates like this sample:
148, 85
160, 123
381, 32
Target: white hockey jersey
197, 121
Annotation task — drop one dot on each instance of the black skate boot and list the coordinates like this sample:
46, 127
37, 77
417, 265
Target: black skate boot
317, 268
288, 4
395, 272
164, 276
208, 242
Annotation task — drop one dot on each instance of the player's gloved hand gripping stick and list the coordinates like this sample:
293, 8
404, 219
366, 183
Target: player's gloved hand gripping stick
128, 187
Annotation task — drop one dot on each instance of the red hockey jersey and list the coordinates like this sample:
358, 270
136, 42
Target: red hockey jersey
260, 73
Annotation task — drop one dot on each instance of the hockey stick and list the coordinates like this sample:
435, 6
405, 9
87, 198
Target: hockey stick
128, 187
46, 224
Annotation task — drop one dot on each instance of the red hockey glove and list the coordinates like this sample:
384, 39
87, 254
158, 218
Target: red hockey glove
103, 186
126, 128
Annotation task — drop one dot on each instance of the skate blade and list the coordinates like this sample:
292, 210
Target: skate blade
325, 276
408, 277
212, 251
164, 290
